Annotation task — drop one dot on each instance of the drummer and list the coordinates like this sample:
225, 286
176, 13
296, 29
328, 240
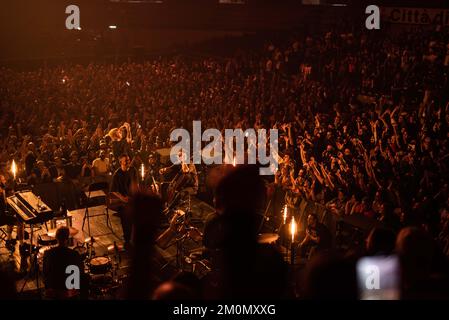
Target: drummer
55, 263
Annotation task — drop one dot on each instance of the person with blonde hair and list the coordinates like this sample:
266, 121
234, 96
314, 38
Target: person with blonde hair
121, 140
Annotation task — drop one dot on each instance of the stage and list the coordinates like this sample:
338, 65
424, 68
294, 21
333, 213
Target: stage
104, 238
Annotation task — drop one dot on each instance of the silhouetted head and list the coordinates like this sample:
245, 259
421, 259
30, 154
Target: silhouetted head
239, 198
190, 281
242, 189
415, 249
172, 291
62, 236
330, 276
380, 241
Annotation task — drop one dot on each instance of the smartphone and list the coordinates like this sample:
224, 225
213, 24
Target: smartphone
378, 278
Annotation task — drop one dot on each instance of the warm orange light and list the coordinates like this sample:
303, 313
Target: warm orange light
293, 229
142, 171
14, 169
285, 214
233, 162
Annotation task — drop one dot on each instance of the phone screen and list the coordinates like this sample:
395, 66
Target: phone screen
378, 278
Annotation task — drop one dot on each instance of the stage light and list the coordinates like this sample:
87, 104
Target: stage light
112, 27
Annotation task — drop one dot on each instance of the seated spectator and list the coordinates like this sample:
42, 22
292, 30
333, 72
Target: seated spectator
101, 166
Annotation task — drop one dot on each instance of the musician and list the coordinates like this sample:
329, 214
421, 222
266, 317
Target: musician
152, 177
56, 260
185, 176
122, 181
318, 237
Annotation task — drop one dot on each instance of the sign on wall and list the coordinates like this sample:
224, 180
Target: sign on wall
415, 15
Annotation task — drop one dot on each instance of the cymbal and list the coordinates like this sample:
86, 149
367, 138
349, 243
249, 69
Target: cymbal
267, 238
72, 231
119, 247
89, 239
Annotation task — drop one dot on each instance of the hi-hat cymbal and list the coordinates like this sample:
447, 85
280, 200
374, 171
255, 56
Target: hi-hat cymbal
72, 231
89, 239
119, 247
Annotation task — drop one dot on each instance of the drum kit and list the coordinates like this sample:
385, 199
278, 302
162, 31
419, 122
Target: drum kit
102, 270
202, 267
193, 260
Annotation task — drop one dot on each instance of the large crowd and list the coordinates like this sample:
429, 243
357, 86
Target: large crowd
363, 118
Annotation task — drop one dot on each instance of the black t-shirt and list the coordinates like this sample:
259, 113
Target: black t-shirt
213, 232
73, 170
120, 147
2, 199
56, 260
325, 236
255, 270
122, 180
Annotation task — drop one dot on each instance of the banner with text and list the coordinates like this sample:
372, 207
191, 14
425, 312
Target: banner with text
415, 15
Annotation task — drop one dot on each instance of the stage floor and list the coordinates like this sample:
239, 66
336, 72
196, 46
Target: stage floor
104, 237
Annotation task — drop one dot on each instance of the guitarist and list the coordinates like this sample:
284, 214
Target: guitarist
123, 180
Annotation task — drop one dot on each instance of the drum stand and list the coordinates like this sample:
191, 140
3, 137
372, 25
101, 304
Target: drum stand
180, 252
90, 248
116, 263
34, 270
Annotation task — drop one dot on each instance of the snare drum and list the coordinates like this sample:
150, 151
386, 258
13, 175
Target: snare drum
100, 265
